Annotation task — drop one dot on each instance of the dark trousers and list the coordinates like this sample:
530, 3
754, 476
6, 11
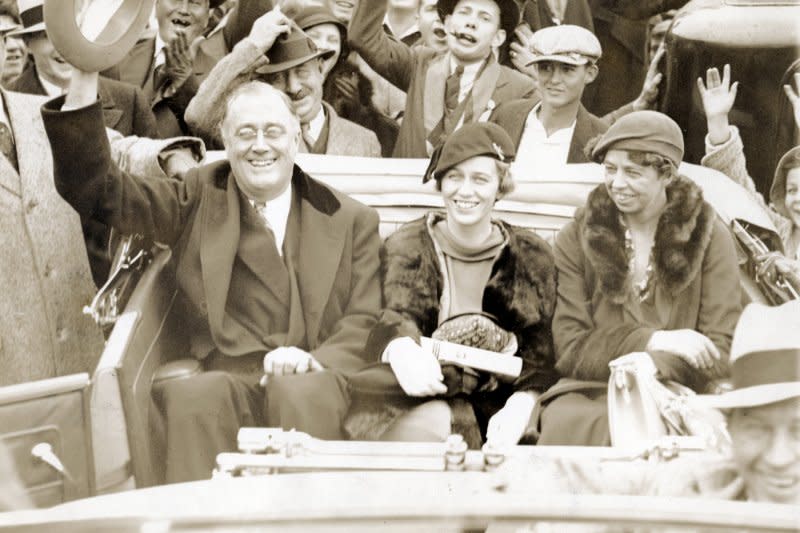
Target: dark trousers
201, 415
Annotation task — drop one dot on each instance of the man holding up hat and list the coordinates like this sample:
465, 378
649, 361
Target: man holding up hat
280, 53
552, 130
277, 274
447, 89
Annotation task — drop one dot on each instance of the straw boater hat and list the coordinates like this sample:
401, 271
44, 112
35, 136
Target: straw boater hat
765, 358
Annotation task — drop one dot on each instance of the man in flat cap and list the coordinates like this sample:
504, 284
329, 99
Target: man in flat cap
278, 52
276, 272
552, 130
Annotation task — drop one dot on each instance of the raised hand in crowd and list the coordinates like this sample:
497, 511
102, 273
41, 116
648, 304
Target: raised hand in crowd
417, 371
793, 94
179, 63
520, 51
647, 98
690, 345
268, 27
717, 96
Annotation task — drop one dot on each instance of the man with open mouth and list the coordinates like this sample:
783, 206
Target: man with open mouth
446, 89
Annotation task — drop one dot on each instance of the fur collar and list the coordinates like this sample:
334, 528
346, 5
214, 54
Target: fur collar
682, 235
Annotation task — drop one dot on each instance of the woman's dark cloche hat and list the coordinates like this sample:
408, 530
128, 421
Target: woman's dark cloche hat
471, 140
645, 131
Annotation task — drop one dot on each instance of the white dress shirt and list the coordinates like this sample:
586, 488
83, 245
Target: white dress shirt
414, 28
160, 52
276, 215
540, 155
316, 124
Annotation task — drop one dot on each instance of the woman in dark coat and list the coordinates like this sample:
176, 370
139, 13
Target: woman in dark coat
645, 266
462, 264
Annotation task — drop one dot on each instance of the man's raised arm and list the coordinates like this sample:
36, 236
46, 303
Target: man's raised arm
87, 178
388, 57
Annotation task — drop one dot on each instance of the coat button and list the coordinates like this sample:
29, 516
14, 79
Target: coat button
32, 203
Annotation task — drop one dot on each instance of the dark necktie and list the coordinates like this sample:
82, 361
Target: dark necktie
7, 145
451, 89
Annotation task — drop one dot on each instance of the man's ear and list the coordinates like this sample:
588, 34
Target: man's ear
499, 38
591, 73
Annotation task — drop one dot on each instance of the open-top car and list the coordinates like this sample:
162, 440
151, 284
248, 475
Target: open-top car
80, 436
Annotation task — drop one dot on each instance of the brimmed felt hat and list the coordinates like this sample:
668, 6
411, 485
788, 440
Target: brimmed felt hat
765, 358
646, 131
292, 49
468, 141
31, 13
7, 26
566, 43
777, 193
509, 13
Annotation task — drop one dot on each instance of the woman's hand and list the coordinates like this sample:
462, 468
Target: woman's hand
417, 371
691, 346
717, 97
508, 424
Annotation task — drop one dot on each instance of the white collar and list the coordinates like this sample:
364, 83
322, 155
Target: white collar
4, 118
159, 53
470, 71
414, 28
533, 119
316, 124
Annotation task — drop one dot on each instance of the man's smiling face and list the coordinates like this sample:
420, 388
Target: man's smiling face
187, 16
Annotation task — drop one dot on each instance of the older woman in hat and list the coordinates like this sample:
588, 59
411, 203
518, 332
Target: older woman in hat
645, 266
460, 275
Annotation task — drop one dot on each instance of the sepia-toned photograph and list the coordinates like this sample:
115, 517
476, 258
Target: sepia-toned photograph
462, 266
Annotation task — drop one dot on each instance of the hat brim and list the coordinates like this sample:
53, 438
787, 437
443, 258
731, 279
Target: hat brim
561, 59
39, 26
5, 28
750, 396
273, 68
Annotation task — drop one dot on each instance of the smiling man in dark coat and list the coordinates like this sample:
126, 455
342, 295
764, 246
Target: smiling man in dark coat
277, 273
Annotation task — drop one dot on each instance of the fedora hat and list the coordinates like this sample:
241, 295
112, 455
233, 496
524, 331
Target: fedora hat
765, 358
509, 13
292, 49
31, 13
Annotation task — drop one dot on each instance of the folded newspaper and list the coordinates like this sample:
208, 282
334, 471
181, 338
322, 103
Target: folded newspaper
500, 364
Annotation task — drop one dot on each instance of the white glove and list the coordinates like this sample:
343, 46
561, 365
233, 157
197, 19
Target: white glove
508, 424
417, 370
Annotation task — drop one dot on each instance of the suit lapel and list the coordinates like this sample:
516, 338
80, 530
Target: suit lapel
319, 251
9, 178
137, 69
111, 114
580, 137
30, 145
219, 240
484, 88
433, 102
258, 251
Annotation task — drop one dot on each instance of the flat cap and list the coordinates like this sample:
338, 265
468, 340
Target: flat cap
645, 131
566, 44
471, 140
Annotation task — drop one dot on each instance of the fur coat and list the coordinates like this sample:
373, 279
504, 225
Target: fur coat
520, 294
696, 277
